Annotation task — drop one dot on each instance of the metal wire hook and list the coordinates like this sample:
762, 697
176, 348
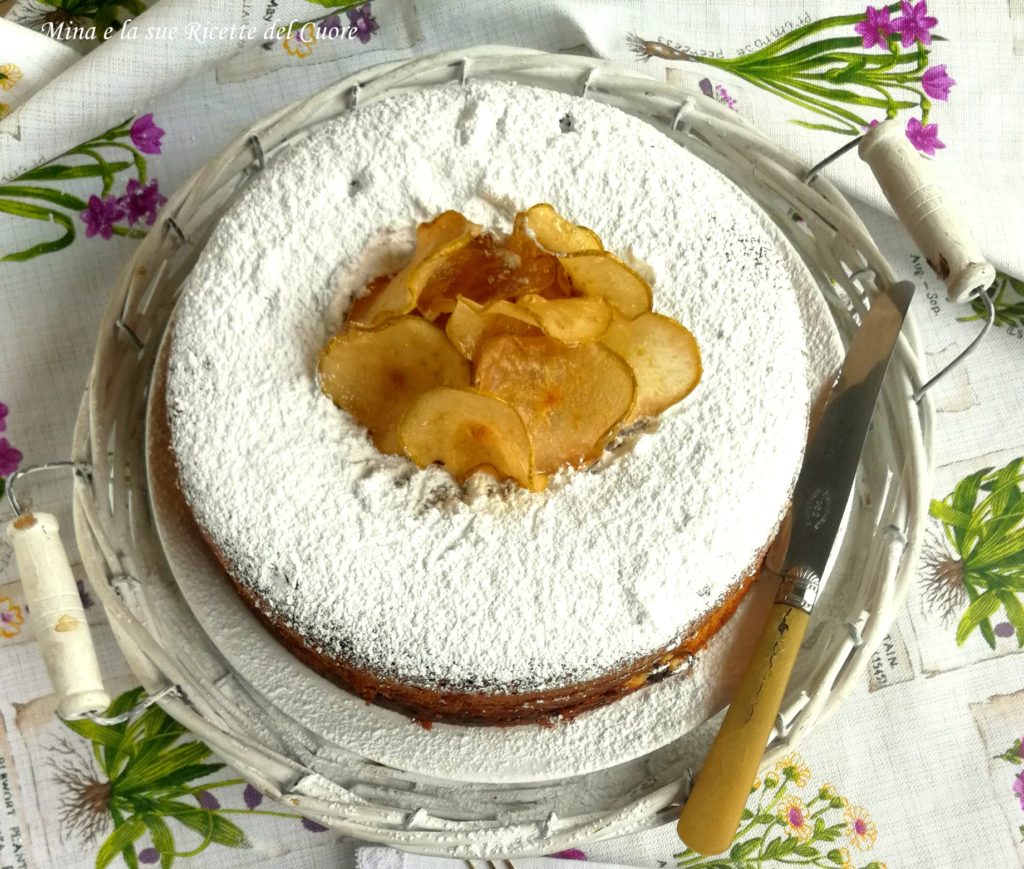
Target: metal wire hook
257, 148
809, 177
963, 354
171, 226
815, 170
127, 330
144, 704
12, 498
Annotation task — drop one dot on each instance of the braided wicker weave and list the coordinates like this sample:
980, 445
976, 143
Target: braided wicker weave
130, 575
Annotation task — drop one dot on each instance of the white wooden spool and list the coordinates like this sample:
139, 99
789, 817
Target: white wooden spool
910, 186
57, 615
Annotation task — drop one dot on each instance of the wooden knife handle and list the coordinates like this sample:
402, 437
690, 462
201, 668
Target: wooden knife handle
711, 816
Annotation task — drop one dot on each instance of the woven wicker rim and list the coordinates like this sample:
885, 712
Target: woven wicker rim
129, 574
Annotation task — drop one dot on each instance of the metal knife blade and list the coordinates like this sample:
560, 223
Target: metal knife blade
830, 464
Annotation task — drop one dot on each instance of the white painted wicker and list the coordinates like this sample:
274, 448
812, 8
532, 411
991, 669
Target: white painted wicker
126, 566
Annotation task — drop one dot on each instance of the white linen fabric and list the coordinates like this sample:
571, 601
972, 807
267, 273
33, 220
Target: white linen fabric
921, 767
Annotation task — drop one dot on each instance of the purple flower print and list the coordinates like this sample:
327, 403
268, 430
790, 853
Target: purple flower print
924, 137
142, 202
716, 92
208, 801
10, 458
1018, 788
1003, 629
3, 416
101, 215
146, 135
936, 82
330, 27
306, 34
313, 826
149, 856
251, 797
363, 21
570, 854
914, 23
875, 28
722, 95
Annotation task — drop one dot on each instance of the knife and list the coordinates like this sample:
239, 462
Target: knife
711, 815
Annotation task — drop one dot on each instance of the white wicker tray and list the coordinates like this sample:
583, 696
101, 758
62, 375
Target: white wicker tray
332, 783
609, 736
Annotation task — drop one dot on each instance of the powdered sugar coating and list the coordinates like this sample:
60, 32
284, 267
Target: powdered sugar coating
377, 561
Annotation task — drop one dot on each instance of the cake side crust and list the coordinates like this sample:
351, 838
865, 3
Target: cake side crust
495, 709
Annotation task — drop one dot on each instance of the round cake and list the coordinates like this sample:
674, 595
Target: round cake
484, 602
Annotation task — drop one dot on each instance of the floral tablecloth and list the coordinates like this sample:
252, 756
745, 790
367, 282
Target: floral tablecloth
105, 108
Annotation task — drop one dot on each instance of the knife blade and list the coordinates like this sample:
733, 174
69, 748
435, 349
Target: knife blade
711, 815
830, 463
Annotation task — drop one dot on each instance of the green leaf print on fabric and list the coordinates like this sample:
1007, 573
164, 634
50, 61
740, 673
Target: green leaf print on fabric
40, 194
979, 561
142, 781
850, 71
1007, 295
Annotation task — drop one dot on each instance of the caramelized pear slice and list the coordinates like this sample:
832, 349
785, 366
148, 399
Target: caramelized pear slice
362, 308
477, 269
571, 321
555, 234
397, 297
537, 268
375, 374
467, 431
431, 279
605, 276
471, 324
571, 398
664, 357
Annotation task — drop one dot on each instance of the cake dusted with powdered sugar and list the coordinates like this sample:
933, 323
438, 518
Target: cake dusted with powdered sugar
484, 603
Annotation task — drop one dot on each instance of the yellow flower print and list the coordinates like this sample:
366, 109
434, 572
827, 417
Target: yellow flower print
830, 795
5, 110
11, 618
845, 862
793, 814
756, 786
10, 75
770, 780
860, 828
792, 767
300, 43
